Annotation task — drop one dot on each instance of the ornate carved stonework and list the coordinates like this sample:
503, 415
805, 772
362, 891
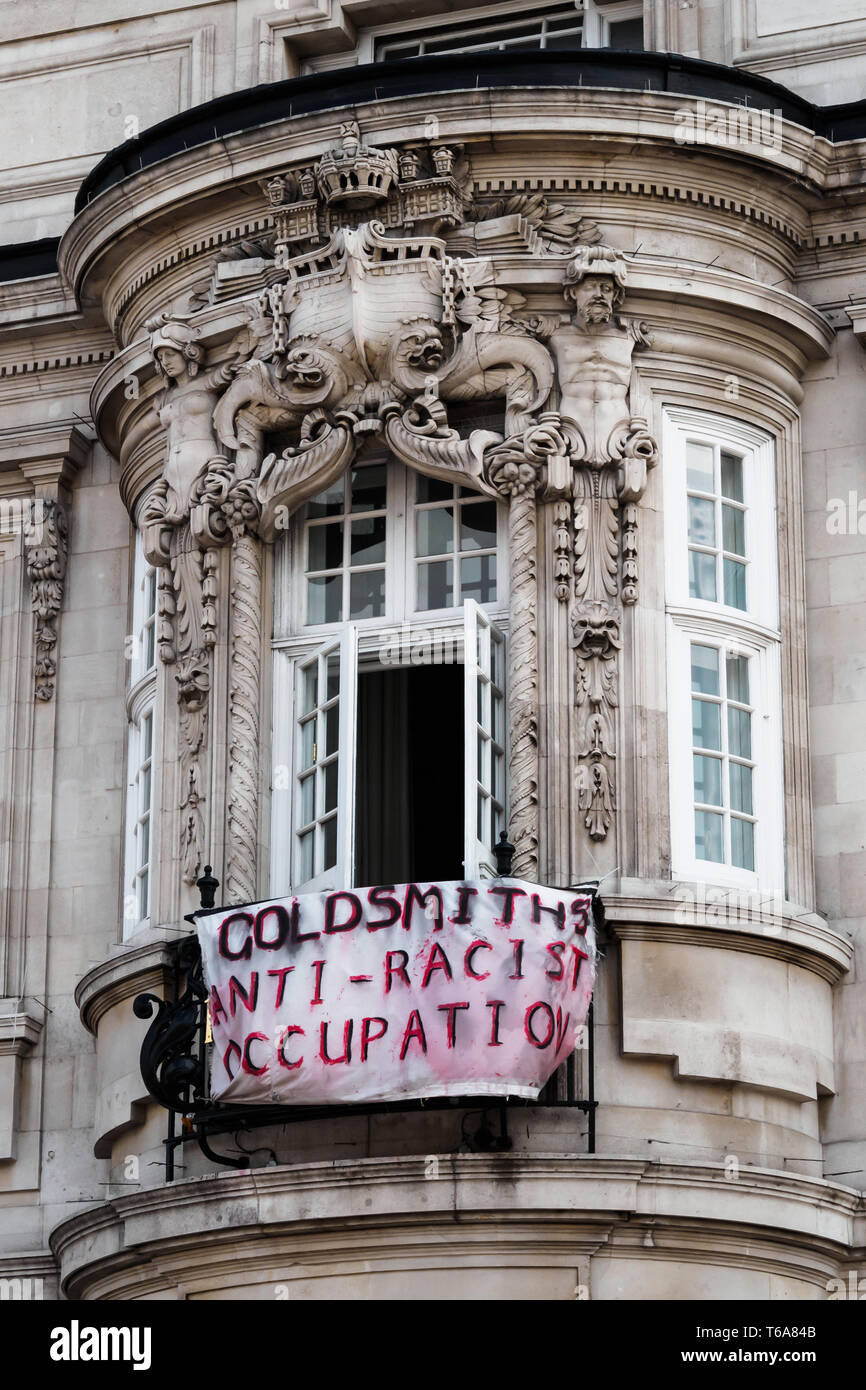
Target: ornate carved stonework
356, 332
595, 375
354, 181
45, 537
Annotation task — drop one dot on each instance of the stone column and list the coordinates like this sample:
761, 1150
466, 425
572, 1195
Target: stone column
245, 675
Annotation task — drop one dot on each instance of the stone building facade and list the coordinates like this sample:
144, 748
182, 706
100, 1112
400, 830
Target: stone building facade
551, 323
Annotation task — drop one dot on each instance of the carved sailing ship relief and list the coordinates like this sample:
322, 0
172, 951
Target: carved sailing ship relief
351, 332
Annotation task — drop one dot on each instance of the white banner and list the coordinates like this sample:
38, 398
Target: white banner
391, 993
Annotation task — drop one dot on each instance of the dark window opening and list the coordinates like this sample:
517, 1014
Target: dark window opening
626, 35
409, 775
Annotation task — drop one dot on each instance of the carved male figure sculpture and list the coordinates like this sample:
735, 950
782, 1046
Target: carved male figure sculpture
593, 352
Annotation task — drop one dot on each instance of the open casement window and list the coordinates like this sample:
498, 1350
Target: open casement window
484, 733
389, 684
325, 703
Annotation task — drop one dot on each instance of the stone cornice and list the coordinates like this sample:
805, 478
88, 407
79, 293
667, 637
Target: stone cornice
722, 919
761, 183
766, 1219
133, 970
684, 78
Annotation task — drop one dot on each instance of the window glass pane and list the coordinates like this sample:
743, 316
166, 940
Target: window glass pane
737, 670
143, 904
367, 594
478, 578
325, 599
706, 725
330, 501
308, 798
498, 725
732, 477
742, 843
496, 774
332, 729
435, 531
699, 467
739, 733
735, 584
145, 788
478, 526
308, 742
305, 855
481, 828
436, 584
333, 676
368, 541
702, 576
149, 646
497, 658
325, 546
709, 837
705, 670
368, 488
433, 489
330, 837
702, 521
144, 842
331, 785
708, 780
483, 704
626, 35
734, 529
146, 737
741, 788
309, 687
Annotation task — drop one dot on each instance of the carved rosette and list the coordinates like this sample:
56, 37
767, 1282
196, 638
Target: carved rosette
45, 549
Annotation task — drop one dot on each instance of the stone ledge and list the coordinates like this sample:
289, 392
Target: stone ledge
133, 969
217, 1232
790, 935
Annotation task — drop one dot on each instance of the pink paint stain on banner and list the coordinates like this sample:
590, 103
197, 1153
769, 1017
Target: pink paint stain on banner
397, 992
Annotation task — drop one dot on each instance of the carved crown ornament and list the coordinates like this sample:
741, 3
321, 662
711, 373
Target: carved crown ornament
361, 332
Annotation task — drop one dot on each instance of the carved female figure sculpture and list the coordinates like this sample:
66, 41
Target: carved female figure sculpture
185, 407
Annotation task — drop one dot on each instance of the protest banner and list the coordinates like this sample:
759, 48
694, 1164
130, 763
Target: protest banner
396, 992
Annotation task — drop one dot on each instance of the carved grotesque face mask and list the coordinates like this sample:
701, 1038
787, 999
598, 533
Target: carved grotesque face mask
594, 298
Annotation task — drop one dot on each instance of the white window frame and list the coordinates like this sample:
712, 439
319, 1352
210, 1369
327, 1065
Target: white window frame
754, 633
401, 569
363, 640
141, 704
145, 601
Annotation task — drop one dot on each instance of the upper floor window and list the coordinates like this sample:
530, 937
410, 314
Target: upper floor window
724, 670
508, 27
389, 695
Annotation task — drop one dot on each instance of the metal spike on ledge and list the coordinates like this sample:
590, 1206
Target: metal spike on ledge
504, 853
